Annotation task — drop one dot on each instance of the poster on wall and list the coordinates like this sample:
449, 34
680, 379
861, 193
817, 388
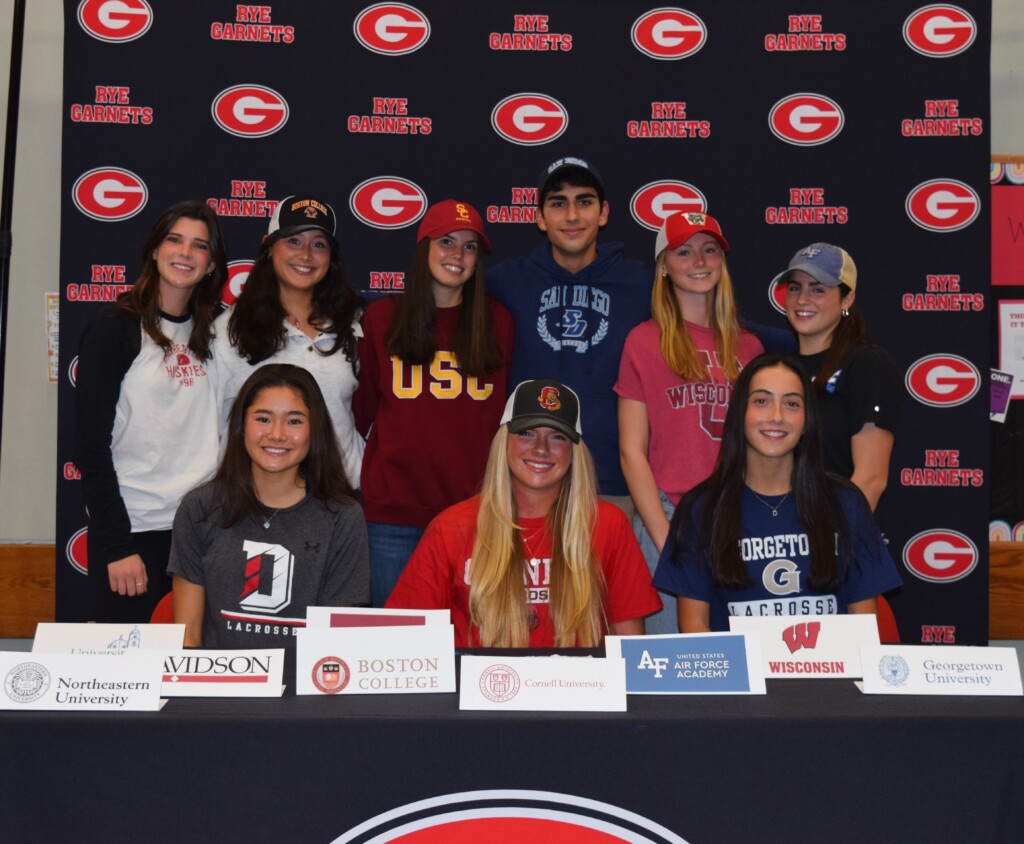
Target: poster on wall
384, 108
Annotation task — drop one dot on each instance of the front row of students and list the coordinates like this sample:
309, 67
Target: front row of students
536, 559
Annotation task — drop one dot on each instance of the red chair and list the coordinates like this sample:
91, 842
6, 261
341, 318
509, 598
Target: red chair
888, 632
163, 612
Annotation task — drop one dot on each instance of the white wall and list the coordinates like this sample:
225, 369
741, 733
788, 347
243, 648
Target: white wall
28, 449
1007, 79
28, 456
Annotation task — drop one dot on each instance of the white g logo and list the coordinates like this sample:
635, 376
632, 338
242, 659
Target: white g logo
781, 577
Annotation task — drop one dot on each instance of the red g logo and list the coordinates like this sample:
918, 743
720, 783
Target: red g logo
669, 34
529, 119
250, 111
388, 202
940, 556
76, 552
943, 380
656, 200
109, 194
509, 815
115, 21
73, 371
777, 296
939, 31
943, 205
806, 119
392, 29
238, 275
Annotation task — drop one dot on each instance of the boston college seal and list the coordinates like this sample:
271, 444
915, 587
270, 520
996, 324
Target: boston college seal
331, 674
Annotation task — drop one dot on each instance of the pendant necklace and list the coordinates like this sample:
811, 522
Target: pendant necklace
527, 542
270, 518
773, 507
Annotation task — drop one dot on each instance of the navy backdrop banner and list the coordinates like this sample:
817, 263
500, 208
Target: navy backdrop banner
863, 124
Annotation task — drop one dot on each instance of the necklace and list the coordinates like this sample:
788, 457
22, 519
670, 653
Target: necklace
773, 507
529, 541
270, 518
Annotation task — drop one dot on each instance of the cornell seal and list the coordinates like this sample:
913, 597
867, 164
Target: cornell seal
27, 682
499, 683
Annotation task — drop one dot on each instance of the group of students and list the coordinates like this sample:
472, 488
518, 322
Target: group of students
232, 458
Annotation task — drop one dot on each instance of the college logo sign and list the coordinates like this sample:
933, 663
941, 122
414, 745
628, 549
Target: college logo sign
657, 200
238, 275
249, 111
115, 21
387, 202
331, 675
806, 120
109, 194
943, 205
940, 556
943, 380
669, 34
76, 551
509, 815
529, 119
391, 29
939, 31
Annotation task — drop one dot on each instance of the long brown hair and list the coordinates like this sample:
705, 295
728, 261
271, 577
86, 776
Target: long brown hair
256, 326
322, 468
847, 336
412, 332
497, 598
715, 506
143, 299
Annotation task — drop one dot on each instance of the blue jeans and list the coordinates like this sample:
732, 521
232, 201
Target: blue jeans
666, 621
391, 546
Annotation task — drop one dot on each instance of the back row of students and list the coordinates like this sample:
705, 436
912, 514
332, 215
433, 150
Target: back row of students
423, 377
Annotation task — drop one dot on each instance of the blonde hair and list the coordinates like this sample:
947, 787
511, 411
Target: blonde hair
677, 347
497, 592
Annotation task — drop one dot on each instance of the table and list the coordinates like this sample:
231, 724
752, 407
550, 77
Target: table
812, 761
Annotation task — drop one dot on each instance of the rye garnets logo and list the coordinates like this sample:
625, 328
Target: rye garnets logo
529, 119
509, 815
73, 371
939, 31
806, 120
656, 200
238, 275
943, 205
115, 21
943, 380
76, 552
109, 194
940, 556
250, 111
391, 29
777, 296
388, 202
669, 34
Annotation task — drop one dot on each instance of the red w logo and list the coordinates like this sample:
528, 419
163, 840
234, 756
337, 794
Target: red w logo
803, 635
